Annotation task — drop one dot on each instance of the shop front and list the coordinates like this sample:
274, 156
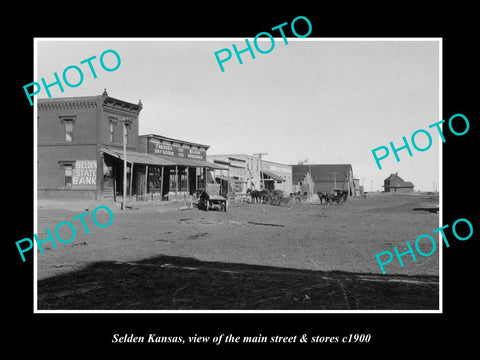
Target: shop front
154, 177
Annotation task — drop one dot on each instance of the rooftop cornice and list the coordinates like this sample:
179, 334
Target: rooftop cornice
122, 105
67, 103
88, 102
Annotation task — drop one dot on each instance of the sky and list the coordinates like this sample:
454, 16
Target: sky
326, 100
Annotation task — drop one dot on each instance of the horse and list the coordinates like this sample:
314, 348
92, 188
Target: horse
297, 197
263, 196
323, 196
254, 194
340, 197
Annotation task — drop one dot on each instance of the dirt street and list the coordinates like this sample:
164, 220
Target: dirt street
298, 236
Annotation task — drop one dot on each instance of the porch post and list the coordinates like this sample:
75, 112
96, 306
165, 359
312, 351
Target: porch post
196, 180
131, 180
146, 183
176, 182
205, 178
161, 185
114, 177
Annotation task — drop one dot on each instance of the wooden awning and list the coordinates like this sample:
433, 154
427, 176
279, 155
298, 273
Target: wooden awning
150, 159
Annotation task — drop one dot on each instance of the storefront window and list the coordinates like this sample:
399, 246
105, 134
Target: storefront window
173, 180
183, 181
210, 177
155, 177
181, 178
237, 185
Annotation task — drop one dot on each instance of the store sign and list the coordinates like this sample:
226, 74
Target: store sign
84, 175
176, 151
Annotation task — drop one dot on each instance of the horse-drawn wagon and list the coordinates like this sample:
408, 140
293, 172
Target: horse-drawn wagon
208, 202
272, 197
338, 196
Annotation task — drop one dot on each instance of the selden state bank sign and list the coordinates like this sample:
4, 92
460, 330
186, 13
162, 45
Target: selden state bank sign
84, 174
156, 147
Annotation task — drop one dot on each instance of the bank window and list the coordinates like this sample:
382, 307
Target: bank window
68, 130
68, 175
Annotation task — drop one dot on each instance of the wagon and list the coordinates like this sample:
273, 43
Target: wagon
207, 202
217, 201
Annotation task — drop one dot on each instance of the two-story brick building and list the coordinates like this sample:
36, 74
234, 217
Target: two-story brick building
80, 152
71, 133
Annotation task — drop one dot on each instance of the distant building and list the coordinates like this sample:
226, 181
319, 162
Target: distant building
237, 167
251, 172
358, 187
395, 183
277, 176
323, 178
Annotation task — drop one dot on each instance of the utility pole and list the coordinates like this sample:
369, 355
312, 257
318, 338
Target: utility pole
334, 179
262, 183
127, 122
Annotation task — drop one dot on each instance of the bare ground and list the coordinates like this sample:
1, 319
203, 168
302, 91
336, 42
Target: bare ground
297, 256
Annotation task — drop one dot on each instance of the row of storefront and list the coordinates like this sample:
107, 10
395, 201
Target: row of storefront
174, 173
81, 147
252, 172
80, 154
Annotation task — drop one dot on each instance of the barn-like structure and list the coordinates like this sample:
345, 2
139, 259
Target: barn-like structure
323, 178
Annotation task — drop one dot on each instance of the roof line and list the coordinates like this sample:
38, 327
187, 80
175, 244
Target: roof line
156, 136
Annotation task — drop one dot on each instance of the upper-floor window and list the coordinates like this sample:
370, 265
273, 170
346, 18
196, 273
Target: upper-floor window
68, 121
68, 130
115, 131
111, 129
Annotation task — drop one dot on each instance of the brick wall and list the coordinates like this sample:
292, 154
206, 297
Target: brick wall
53, 150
